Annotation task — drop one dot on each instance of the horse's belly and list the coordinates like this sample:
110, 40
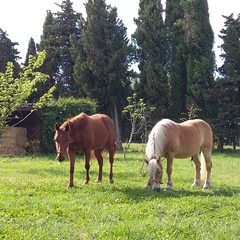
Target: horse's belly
186, 151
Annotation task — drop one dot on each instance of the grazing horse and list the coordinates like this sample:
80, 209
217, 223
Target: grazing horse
86, 133
173, 140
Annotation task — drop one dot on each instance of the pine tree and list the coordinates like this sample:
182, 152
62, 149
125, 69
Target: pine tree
102, 65
58, 29
103, 60
49, 44
67, 25
150, 38
8, 53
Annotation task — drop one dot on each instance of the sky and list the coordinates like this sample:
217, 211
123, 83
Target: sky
23, 19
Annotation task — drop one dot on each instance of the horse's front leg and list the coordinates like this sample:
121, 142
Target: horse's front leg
197, 179
169, 184
87, 154
72, 157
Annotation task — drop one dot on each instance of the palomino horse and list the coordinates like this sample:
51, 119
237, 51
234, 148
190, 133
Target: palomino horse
172, 140
86, 133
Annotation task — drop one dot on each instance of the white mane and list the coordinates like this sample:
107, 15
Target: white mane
152, 168
157, 139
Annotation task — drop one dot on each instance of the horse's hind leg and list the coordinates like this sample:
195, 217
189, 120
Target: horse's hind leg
197, 165
98, 155
111, 150
206, 155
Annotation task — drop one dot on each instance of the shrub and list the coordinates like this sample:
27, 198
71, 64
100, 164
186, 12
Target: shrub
59, 111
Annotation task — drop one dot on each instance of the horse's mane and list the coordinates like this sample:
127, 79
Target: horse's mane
79, 121
157, 139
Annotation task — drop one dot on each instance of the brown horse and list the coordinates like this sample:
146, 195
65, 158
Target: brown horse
172, 140
86, 133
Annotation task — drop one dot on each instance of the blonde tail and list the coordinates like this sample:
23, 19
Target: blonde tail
203, 167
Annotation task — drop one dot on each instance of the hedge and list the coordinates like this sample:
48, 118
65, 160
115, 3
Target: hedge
58, 112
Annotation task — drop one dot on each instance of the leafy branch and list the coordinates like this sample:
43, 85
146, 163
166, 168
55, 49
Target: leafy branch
15, 92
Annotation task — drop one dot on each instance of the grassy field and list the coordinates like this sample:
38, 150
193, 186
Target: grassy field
35, 204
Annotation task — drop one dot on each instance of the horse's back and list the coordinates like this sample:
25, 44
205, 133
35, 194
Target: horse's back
200, 129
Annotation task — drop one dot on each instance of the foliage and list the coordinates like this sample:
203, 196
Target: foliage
58, 28
150, 38
192, 113
36, 205
191, 57
8, 53
59, 111
138, 114
102, 67
15, 92
224, 98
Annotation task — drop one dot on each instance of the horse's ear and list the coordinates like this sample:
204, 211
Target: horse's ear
146, 160
56, 126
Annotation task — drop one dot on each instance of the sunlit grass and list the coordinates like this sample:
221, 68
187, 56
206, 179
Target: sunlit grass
35, 204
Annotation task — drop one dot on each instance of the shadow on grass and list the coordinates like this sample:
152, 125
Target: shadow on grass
139, 194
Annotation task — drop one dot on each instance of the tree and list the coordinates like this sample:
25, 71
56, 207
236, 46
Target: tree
8, 53
31, 50
150, 38
138, 114
200, 58
67, 25
177, 58
58, 29
224, 98
102, 66
14, 92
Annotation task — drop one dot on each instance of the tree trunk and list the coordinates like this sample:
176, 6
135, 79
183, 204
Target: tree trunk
118, 138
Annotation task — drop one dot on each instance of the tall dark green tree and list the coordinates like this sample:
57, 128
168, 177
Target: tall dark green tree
31, 50
177, 58
200, 59
103, 67
57, 30
224, 98
150, 38
67, 25
8, 53
192, 61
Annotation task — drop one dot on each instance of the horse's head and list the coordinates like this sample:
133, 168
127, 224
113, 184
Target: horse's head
154, 169
62, 140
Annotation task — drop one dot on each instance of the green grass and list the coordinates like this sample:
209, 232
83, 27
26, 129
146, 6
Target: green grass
35, 204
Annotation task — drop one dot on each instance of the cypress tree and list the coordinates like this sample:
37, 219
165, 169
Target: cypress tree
150, 38
31, 50
200, 60
177, 58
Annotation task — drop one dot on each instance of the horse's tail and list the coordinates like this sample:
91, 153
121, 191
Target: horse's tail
203, 167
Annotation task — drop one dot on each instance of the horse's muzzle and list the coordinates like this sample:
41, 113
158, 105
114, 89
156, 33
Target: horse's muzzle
60, 157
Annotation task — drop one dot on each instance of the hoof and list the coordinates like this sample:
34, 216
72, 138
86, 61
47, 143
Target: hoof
196, 184
69, 186
86, 182
168, 187
97, 181
207, 185
111, 181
